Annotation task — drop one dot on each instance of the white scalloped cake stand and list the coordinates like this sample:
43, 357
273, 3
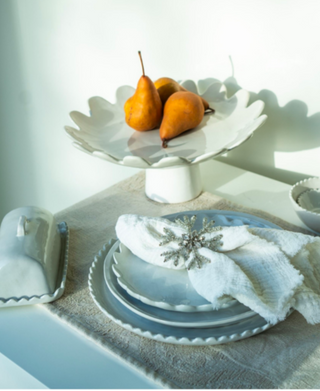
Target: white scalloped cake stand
172, 173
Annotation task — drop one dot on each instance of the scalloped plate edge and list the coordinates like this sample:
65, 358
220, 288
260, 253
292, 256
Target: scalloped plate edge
160, 337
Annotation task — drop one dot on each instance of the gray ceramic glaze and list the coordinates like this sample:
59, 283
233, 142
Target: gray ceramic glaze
231, 314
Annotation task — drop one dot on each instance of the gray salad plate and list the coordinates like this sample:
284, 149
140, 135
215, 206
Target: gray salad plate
231, 314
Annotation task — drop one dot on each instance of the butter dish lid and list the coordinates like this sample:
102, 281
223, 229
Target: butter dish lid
33, 257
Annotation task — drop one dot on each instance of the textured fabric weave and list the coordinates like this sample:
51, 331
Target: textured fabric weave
285, 356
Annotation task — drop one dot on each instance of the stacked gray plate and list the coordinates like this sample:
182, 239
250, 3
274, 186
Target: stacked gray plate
161, 304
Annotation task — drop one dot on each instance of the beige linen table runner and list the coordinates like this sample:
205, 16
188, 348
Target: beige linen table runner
285, 356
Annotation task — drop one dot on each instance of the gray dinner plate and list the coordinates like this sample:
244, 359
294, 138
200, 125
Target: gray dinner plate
139, 325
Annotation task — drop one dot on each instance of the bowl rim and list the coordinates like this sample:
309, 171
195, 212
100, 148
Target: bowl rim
295, 202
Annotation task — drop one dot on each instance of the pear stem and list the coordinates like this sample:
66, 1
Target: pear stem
141, 62
209, 111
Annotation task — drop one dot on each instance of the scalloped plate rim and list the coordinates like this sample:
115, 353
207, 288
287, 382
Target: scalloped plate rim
198, 341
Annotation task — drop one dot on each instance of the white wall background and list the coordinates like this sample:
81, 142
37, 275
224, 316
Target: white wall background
55, 54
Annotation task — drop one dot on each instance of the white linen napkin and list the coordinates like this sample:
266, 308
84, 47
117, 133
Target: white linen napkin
268, 270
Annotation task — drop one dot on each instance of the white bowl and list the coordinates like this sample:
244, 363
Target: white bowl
301, 189
310, 200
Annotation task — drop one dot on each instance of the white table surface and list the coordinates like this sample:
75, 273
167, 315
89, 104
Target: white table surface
38, 350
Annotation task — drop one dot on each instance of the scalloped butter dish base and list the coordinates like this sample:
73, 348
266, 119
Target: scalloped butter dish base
61, 279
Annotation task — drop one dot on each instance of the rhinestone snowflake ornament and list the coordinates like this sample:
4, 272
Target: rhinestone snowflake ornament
191, 242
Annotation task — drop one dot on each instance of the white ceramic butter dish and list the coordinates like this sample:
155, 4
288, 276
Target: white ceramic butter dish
33, 257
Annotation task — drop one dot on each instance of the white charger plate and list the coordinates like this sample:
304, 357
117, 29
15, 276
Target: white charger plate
234, 313
127, 319
171, 289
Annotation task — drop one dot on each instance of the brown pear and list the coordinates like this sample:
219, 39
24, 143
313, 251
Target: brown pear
167, 90
167, 86
163, 81
183, 111
144, 109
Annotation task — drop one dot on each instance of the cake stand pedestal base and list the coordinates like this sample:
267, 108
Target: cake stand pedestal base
173, 185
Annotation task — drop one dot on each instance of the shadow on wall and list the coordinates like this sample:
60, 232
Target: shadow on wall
16, 157
288, 129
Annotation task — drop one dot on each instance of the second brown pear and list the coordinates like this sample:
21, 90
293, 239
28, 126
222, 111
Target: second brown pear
183, 111
167, 86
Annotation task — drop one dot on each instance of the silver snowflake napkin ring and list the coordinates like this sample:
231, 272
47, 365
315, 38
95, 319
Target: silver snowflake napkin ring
190, 242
